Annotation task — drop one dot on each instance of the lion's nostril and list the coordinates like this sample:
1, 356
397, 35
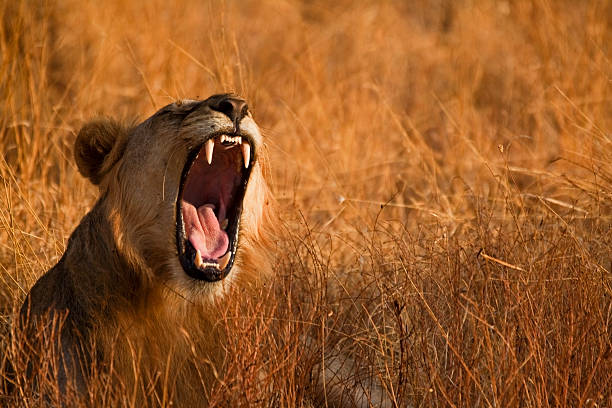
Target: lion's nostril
232, 107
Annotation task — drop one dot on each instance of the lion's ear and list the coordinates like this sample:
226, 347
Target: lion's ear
98, 146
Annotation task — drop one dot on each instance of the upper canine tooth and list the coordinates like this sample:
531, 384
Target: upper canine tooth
224, 260
239, 139
246, 153
210, 145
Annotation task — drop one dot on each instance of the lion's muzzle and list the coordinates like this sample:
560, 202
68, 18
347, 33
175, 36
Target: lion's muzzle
211, 196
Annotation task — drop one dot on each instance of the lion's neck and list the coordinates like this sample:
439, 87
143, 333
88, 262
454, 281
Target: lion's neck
95, 264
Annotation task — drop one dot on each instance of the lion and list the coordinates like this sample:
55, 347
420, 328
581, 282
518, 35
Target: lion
181, 218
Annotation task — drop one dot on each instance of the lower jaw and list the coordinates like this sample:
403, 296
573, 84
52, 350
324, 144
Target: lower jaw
208, 273
187, 252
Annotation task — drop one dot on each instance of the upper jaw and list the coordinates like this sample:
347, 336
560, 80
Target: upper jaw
247, 130
242, 140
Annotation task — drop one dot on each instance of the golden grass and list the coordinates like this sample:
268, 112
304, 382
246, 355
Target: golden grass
444, 170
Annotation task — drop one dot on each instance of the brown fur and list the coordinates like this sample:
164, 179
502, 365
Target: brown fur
126, 306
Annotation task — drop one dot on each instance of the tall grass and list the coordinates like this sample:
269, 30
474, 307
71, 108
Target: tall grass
443, 170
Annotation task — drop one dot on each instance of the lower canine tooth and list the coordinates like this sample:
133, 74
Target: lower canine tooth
198, 259
224, 260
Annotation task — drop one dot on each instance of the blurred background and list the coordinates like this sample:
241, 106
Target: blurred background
442, 170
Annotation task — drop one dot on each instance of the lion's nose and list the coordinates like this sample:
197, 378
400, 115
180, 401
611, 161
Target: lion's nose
233, 107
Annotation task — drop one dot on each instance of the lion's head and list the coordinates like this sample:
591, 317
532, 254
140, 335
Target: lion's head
183, 191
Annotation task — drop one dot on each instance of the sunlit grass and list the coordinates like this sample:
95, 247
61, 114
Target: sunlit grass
443, 171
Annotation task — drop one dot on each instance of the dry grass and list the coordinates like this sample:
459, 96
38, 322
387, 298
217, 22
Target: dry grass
444, 170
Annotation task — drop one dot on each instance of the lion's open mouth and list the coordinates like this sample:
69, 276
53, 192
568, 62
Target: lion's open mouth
209, 205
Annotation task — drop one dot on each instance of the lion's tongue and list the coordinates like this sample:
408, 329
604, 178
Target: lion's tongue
203, 231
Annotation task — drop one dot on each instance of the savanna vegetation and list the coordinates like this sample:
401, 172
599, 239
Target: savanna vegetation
442, 171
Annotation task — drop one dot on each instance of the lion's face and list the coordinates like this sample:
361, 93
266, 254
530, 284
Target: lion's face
180, 188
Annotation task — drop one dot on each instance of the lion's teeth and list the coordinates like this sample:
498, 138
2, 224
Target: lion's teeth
210, 146
246, 153
224, 224
224, 260
239, 139
223, 138
198, 259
